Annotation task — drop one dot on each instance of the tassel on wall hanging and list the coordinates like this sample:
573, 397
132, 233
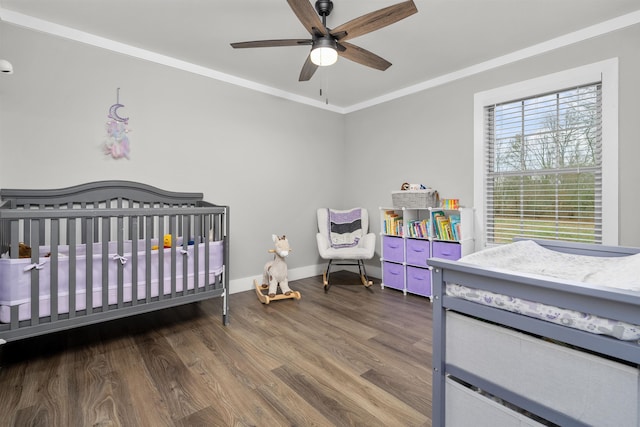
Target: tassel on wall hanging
117, 142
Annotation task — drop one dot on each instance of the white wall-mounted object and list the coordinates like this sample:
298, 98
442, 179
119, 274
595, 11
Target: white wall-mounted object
6, 67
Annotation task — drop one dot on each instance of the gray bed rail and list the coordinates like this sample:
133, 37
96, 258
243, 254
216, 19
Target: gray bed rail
602, 301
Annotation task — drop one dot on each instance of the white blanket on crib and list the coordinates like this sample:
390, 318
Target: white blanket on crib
528, 257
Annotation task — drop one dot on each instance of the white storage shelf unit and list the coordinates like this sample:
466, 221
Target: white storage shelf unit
404, 258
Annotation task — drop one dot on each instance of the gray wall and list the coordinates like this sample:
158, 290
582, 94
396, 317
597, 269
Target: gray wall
428, 137
260, 154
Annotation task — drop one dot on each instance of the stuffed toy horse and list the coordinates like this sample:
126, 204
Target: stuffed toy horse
275, 272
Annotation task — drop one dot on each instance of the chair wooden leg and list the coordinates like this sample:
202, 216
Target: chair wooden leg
325, 277
363, 276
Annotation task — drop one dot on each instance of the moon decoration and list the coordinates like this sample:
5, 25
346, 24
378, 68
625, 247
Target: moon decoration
117, 143
113, 113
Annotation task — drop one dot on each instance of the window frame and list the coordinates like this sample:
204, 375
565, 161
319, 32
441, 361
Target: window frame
607, 73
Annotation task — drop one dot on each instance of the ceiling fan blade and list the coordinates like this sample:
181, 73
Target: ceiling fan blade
308, 69
307, 16
362, 56
272, 43
374, 20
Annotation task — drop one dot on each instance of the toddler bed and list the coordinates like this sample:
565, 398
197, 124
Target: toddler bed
105, 250
537, 333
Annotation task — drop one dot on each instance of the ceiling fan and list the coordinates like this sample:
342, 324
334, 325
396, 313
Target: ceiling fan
326, 44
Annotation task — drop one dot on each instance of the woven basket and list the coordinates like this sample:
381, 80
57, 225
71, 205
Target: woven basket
415, 199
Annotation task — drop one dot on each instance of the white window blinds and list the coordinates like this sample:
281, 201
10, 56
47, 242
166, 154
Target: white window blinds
543, 164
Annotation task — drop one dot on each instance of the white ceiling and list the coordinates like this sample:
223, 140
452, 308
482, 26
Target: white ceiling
445, 39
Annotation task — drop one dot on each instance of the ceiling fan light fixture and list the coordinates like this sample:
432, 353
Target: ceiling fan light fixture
324, 52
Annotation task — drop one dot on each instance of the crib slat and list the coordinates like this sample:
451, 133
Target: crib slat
54, 263
216, 226
161, 233
68, 221
72, 242
96, 225
89, 225
83, 230
196, 252
173, 252
133, 227
120, 244
184, 233
26, 229
35, 274
15, 238
207, 230
41, 228
147, 258
106, 232
14, 316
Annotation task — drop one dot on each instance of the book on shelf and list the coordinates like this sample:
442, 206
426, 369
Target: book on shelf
393, 223
455, 226
436, 219
443, 227
418, 228
451, 204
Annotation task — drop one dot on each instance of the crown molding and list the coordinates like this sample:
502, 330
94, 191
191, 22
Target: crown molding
592, 31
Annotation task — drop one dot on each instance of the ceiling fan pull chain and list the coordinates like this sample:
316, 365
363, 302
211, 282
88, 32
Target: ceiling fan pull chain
325, 81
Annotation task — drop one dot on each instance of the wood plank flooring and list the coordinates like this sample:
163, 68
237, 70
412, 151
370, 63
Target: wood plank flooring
348, 357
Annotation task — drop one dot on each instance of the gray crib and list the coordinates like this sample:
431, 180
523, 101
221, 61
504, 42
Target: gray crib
105, 250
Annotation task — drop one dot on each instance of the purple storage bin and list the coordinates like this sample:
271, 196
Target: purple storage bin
392, 248
393, 275
419, 281
417, 252
446, 250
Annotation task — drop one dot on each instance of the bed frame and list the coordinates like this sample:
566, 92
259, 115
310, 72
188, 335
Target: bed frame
491, 366
102, 217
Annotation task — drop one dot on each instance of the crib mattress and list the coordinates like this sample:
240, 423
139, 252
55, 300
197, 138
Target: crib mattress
16, 275
531, 258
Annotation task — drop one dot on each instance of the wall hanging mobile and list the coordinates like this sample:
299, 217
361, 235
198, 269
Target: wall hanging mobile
117, 143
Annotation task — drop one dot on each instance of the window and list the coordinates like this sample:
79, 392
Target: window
546, 164
543, 165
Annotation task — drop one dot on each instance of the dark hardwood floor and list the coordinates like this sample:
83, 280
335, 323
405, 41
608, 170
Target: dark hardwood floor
347, 357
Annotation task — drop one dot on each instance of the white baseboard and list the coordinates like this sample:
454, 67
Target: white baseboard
246, 283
